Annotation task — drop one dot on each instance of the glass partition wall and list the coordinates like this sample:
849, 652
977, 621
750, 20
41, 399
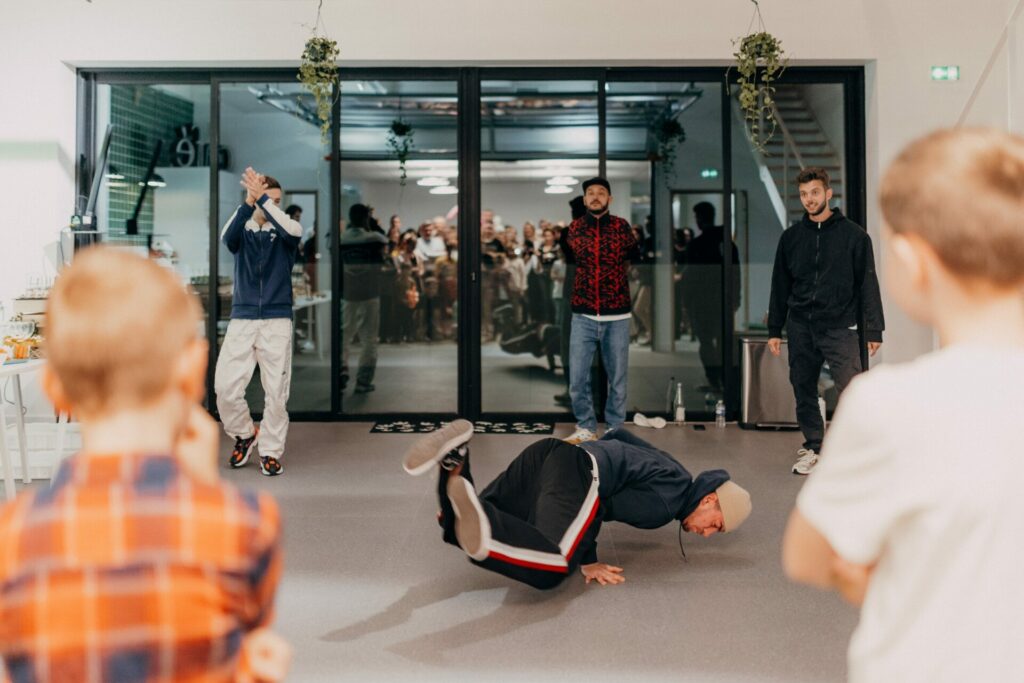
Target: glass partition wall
478, 162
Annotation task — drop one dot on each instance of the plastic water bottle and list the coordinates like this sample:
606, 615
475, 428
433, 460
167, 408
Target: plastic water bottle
720, 414
678, 408
669, 394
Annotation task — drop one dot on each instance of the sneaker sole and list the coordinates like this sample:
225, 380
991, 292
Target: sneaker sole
431, 449
248, 452
468, 517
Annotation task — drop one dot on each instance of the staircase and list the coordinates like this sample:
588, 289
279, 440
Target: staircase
800, 141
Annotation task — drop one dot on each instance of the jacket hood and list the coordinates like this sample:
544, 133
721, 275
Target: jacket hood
833, 220
704, 483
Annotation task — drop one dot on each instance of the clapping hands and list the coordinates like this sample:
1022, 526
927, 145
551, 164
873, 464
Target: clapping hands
255, 184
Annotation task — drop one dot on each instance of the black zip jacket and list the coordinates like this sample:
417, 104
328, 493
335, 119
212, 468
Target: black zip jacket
824, 275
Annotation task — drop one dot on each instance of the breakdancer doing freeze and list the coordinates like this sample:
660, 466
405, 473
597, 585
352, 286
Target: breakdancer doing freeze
538, 521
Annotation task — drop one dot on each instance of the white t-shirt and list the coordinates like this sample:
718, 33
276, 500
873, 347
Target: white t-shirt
922, 471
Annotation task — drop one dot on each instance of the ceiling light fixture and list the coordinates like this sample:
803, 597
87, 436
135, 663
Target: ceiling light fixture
557, 189
445, 189
563, 180
432, 181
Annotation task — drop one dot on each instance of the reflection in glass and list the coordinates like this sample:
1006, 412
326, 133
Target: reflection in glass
407, 362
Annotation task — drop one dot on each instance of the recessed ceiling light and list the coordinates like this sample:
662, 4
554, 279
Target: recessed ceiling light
432, 181
557, 189
563, 180
445, 189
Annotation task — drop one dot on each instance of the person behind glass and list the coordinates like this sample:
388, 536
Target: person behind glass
823, 280
491, 247
264, 242
388, 279
682, 239
410, 273
702, 291
641, 282
429, 248
548, 254
603, 246
362, 258
577, 209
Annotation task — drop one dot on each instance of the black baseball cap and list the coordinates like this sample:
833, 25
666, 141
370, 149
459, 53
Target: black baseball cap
597, 180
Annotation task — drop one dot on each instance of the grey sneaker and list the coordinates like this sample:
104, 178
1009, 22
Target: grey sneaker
805, 464
436, 446
471, 525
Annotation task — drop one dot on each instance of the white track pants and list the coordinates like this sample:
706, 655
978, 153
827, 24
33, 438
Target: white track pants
248, 342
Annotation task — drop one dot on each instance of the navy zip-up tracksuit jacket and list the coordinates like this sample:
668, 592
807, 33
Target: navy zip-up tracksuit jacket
263, 261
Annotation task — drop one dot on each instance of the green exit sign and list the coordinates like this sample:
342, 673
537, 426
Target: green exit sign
709, 173
945, 73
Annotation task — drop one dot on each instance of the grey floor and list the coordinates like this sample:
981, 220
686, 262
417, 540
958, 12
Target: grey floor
370, 593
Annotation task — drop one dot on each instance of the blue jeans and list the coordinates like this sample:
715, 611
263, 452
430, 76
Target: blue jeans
612, 338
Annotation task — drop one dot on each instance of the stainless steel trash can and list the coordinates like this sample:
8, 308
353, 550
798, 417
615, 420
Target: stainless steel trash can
767, 396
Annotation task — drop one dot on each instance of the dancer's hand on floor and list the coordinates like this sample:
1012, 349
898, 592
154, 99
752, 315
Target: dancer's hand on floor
604, 574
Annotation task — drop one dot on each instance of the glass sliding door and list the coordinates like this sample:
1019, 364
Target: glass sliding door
399, 313
539, 141
272, 127
665, 142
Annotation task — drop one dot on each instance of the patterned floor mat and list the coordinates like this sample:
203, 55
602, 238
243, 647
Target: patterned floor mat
482, 427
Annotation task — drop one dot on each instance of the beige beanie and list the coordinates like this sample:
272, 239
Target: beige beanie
735, 503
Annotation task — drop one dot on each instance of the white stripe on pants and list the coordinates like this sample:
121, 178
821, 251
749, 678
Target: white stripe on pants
248, 342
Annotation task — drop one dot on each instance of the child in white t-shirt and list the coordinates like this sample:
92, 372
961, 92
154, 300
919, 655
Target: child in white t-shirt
916, 511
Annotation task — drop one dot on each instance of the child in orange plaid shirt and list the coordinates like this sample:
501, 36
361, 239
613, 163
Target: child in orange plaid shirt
136, 564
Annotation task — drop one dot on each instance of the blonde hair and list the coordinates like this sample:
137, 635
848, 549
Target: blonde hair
116, 325
962, 192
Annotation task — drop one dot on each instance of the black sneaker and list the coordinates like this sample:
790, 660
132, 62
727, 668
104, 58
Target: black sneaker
270, 466
440, 446
364, 388
242, 450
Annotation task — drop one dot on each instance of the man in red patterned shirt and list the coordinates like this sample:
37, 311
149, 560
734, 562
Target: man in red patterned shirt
602, 245
136, 564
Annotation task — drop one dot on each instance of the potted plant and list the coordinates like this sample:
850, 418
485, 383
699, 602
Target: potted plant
760, 61
668, 134
318, 72
400, 144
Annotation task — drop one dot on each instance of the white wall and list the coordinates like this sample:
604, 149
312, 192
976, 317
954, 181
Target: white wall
45, 39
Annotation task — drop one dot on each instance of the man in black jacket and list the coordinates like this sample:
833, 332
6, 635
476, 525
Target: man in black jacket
538, 521
824, 287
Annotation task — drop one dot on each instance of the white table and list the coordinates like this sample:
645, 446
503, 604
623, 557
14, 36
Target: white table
312, 303
14, 372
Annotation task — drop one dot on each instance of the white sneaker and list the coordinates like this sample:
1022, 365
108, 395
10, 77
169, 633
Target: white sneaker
579, 436
641, 420
808, 459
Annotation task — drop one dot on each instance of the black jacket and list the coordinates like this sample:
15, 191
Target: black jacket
825, 277
646, 489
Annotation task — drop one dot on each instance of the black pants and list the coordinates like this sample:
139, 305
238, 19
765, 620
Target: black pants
808, 350
543, 512
707, 325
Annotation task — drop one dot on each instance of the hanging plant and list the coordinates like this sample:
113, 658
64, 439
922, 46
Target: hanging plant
318, 72
668, 133
400, 144
760, 61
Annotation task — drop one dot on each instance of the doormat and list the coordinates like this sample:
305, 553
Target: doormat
482, 427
